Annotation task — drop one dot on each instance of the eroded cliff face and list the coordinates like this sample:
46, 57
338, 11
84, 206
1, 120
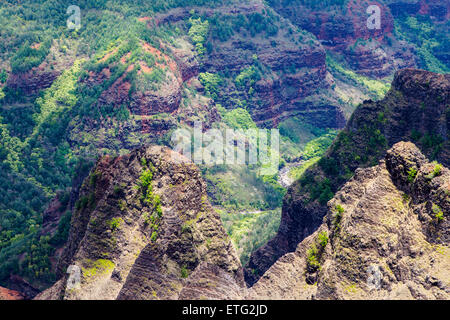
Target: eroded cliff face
342, 28
415, 109
41, 77
295, 79
144, 229
385, 236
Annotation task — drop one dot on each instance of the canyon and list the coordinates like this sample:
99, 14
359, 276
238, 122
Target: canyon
89, 181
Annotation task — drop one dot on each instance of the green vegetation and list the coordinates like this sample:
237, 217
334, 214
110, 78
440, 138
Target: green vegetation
405, 197
312, 258
297, 172
430, 41
98, 267
145, 181
62, 233
296, 133
316, 4
198, 33
351, 149
437, 170
322, 238
317, 147
28, 56
211, 82
153, 218
314, 149
238, 188
37, 263
250, 230
376, 87
438, 213
239, 119
431, 143
338, 212
184, 272
247, 77
3, 77
322, 191
223, 27
115, 223
315, 252
412, 173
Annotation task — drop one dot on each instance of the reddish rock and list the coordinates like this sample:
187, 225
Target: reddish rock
6, 294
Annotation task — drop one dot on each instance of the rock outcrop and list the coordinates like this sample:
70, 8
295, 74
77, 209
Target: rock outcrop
6, 294
415, 109
151, 97
385, 236
144, 229
42, 76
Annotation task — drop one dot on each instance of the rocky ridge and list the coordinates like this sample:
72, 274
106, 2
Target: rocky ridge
144, 229
415, 109
385, 236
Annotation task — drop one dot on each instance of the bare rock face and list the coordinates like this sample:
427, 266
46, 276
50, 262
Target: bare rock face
415, 109
385, 236
144, 229
186, 60
32, 81
6, 294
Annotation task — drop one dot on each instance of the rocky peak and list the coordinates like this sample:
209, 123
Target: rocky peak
428, 185
401, 159
144, 229
414, 83
376, 240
